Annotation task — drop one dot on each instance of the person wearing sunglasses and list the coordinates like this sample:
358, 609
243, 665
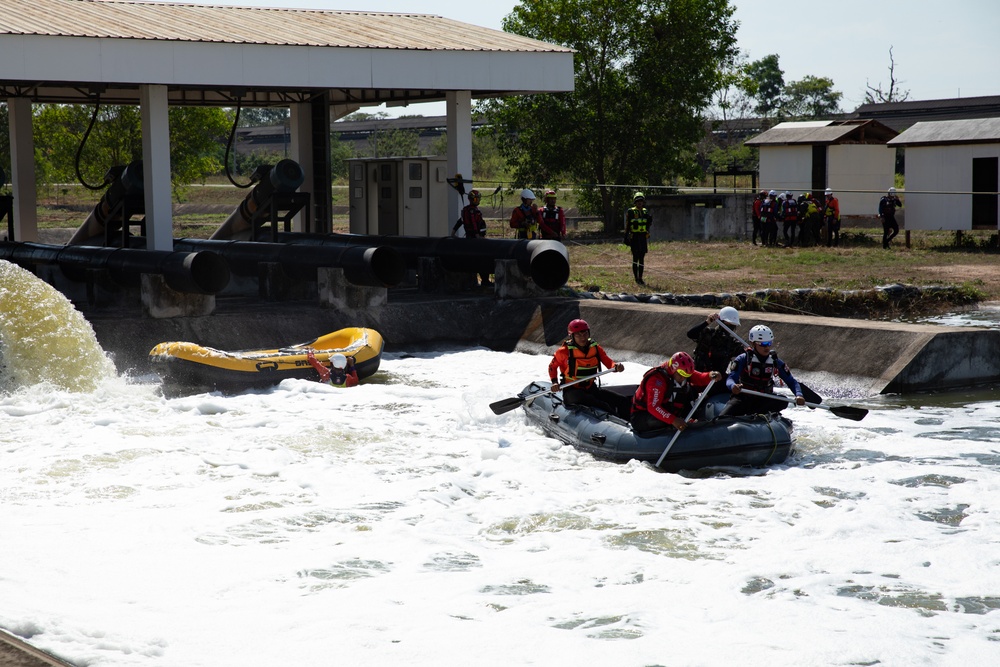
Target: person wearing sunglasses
666, 394
756, 369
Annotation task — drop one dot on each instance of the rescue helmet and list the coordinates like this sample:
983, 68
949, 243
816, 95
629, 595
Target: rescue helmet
761, 334
474, 194
550, 193
789, 195
892, 191
682, 364
527, 194
730, 316
771, 193
578, 326
637, 196
338, 361
762, 193
828, 192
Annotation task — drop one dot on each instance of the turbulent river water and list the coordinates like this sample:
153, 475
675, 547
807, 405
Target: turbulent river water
402, 522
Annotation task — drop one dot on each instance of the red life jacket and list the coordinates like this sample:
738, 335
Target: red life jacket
678, 397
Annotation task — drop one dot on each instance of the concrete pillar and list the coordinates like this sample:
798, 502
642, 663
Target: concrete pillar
159, 301
337, 292
301, 150
22, 166
459, 126
156, 167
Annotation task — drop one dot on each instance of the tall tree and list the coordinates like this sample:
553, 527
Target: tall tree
893, 94
770, 84
644, 73
810, 97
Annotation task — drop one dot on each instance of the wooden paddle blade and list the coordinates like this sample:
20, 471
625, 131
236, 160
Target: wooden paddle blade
849, 412
506, 405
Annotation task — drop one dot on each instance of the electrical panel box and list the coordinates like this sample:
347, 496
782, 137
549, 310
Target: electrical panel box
399, 196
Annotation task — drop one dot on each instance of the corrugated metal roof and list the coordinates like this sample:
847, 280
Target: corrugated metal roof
121, 19
973, 131
824, 132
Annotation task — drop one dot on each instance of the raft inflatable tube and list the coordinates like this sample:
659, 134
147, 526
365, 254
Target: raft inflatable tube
192, 366
751, 441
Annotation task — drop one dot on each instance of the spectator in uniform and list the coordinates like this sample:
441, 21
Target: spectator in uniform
473, 226
831, 215
887, 206
525, 218
637, 222
553, 219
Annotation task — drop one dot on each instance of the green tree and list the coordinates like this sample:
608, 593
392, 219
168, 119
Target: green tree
264, 116
811, 97
488, 165
644, 72
769, 80
115, 138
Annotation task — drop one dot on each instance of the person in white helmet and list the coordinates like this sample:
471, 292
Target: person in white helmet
756, 369
525, 218
715, 347
887, 206
831, 215
769, 219
341, 373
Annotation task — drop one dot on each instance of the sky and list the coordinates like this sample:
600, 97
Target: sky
941, 50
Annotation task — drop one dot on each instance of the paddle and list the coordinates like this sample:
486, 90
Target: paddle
508, 404
845, 411
807, 393
670, 444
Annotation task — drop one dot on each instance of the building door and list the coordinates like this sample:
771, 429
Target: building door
984, 206
819, 169
415, 194
388, 198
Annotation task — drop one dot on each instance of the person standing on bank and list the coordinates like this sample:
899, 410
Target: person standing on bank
666, 393
473, 226
790, 216
887, 206
553, 218
769, 219
715, 347
637, 222
755, 370
525, 218
581, 357
755, 216
831, 214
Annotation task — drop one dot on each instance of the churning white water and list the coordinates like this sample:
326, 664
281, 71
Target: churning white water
402, 522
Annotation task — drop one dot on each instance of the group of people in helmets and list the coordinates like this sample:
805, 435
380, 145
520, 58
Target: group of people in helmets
806, 215
667, 392
531, 222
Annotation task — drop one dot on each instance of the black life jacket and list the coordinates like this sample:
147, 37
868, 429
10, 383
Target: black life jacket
758, 374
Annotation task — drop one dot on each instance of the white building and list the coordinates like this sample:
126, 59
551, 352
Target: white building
848, 156
952, 174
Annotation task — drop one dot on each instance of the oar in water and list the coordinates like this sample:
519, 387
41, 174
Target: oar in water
807, 393
845, 411
508, 404
670, 444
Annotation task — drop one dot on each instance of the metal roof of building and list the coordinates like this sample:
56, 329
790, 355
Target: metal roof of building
971, 131
70, 51
901, 115
824, 132
125, 19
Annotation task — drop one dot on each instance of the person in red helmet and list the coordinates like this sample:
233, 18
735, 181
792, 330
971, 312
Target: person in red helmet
667, 392
580, 357
553, 218
473, 226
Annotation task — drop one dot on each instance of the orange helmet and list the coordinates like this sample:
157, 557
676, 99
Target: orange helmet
682, 364
474, 194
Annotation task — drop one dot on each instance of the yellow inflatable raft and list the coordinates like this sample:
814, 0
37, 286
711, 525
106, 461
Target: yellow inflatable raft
192, 366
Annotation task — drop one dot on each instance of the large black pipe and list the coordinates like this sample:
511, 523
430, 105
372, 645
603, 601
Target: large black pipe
547, 262
202, 272
376, 266
286, 176
125, 181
